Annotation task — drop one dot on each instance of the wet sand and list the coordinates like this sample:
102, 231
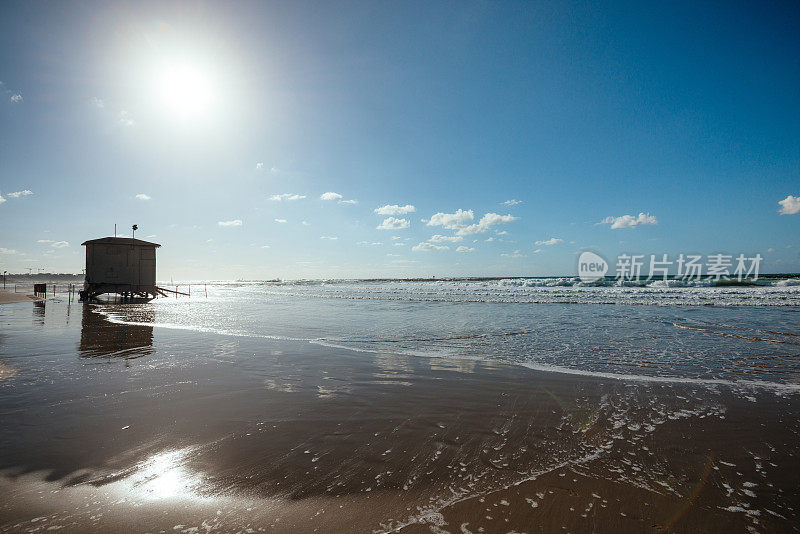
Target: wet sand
110, 427
7, 297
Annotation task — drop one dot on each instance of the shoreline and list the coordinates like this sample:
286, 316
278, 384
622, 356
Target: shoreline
778, 388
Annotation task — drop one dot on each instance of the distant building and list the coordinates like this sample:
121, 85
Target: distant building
120, 265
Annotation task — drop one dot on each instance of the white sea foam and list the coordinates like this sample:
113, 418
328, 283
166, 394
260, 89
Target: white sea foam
778, 387
550, 290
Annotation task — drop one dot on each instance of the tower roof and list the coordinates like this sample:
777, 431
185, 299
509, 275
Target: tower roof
120, 241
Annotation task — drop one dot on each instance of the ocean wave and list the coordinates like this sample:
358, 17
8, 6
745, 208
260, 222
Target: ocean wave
531, 282
545, 291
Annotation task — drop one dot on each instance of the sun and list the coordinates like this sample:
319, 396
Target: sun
184, 89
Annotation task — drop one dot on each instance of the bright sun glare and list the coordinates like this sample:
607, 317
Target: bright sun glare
185, 90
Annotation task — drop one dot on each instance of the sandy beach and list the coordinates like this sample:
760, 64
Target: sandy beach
111, 427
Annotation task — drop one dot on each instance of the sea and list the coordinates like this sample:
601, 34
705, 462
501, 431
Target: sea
702, 332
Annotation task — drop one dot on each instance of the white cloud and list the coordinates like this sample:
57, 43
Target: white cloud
512, 202
789, 205
398, 244
538, 251
451, 221
16, 98
305, 223
8, 251
142, 196
97, 102
330, 195
264, 246
445, 238
280, 221
427, 247
125, 118
462, 248
392, 223
630, 221
60, 244
234, 222
151, 236
23, 193
329, 237
393, 255
394, 209
259, 165
287, 196
396, 237
770, 250
515, 254
491, 219
44, 241
369, 244
549, 242
486, 223
2, 199
458, 221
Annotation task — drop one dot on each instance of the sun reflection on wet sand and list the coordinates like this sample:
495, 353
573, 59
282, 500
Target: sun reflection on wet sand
163, 476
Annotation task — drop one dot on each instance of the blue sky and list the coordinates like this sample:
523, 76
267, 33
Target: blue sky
185, 118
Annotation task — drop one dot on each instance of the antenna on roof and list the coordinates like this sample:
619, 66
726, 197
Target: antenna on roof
134, 227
